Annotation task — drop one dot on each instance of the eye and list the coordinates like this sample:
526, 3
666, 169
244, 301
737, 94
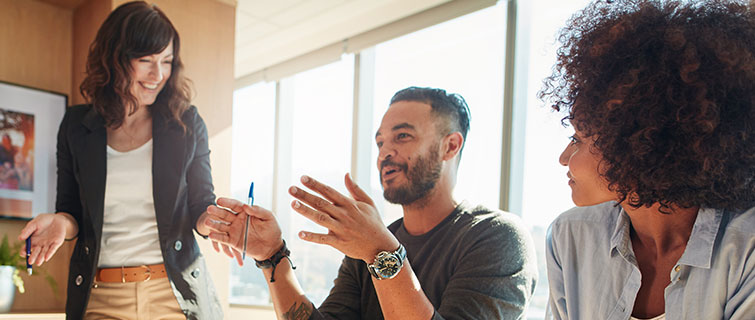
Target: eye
144, 60
168, 62
402, 135
379, 144
574, 139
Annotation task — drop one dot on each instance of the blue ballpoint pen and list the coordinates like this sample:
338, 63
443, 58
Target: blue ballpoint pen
246, 226
28, 253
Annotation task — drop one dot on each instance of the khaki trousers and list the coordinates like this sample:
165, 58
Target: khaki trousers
147, 300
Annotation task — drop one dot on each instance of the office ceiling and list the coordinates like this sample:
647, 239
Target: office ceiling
273, 31
270, 32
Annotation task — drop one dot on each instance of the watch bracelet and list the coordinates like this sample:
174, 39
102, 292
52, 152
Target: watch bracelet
273, 261
400, 252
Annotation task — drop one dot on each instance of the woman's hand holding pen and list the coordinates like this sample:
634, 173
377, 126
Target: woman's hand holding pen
203, 229
49, 231
227, 227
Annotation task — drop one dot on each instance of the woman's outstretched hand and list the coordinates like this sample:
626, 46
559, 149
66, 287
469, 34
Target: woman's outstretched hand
227, 222
48, 231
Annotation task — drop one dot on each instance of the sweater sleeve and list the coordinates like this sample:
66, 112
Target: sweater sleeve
344, 300
496, 274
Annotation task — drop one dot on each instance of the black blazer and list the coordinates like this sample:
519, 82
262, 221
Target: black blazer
182, 190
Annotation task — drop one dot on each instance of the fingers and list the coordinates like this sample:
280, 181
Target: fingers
51, 251
320, 238
312, 200
216, 225
216, 246
233, 204
38, 254
239, 259
356, 192
259, 212
220, 237
326, 191
27, 230
318, 217
228, 251
218, 213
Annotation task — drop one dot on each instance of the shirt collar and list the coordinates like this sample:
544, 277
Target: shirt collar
699, 250
620, 238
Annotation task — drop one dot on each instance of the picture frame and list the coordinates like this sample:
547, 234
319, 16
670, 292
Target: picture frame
29, 121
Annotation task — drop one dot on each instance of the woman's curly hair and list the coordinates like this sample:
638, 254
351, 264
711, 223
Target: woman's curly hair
133, 30
667, 89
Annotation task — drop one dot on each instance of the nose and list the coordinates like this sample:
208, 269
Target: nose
385, 152
156, 72
563, 159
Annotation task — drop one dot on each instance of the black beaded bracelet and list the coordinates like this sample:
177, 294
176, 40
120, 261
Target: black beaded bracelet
273, 261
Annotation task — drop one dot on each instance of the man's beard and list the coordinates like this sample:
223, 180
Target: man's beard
421, 178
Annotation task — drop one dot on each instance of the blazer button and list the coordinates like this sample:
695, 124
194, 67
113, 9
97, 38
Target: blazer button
79, 280
86, 250
178, 245
195, 273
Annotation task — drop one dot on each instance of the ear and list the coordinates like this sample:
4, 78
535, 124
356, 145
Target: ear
452, 145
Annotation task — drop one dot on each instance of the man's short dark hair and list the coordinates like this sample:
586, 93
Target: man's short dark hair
449, 107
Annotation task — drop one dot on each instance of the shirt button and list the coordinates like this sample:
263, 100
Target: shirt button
677, 268
177, 245
195, 273
86, 250
79, 280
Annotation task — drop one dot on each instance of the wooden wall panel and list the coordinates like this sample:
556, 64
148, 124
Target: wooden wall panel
87, 19
45, 46
35, 45
35, 51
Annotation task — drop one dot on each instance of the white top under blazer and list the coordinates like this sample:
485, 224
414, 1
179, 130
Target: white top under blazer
129, 228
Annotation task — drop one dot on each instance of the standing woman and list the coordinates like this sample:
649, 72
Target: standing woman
661, 95
133, 180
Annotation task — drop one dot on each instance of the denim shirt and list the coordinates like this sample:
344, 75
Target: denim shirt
593, 272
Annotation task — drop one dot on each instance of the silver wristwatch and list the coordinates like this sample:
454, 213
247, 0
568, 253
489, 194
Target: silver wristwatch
387, 264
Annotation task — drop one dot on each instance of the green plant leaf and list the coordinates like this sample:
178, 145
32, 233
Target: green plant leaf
10, 256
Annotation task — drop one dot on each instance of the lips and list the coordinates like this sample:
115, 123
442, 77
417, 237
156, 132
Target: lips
150, 86
389, 172
571, 180
390, 169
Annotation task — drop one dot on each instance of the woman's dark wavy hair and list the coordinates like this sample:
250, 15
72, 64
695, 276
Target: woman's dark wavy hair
133, 30
667, 89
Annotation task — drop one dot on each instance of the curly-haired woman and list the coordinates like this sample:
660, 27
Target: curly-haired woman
133, 180
662, 163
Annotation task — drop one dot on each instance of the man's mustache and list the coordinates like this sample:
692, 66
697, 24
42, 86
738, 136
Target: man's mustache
388, 162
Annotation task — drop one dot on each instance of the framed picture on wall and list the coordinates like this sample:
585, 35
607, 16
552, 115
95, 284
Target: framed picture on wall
29, 120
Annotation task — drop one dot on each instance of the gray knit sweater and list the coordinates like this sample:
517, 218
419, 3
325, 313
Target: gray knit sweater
476, 264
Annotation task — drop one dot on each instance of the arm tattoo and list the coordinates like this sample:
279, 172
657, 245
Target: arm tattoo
302, 312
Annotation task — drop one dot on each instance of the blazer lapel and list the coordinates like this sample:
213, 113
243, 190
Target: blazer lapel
92, 158
168, 156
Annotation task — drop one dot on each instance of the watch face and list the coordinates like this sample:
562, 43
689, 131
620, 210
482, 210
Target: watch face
387, 265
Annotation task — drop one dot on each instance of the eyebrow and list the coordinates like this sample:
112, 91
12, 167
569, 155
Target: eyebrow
404, 125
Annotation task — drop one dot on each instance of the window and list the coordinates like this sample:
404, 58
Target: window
321, 148
471, 65
308, 129
544, 190
313, 135
253, 131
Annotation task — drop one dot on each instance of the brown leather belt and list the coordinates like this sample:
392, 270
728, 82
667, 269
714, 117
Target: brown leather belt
131, 274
